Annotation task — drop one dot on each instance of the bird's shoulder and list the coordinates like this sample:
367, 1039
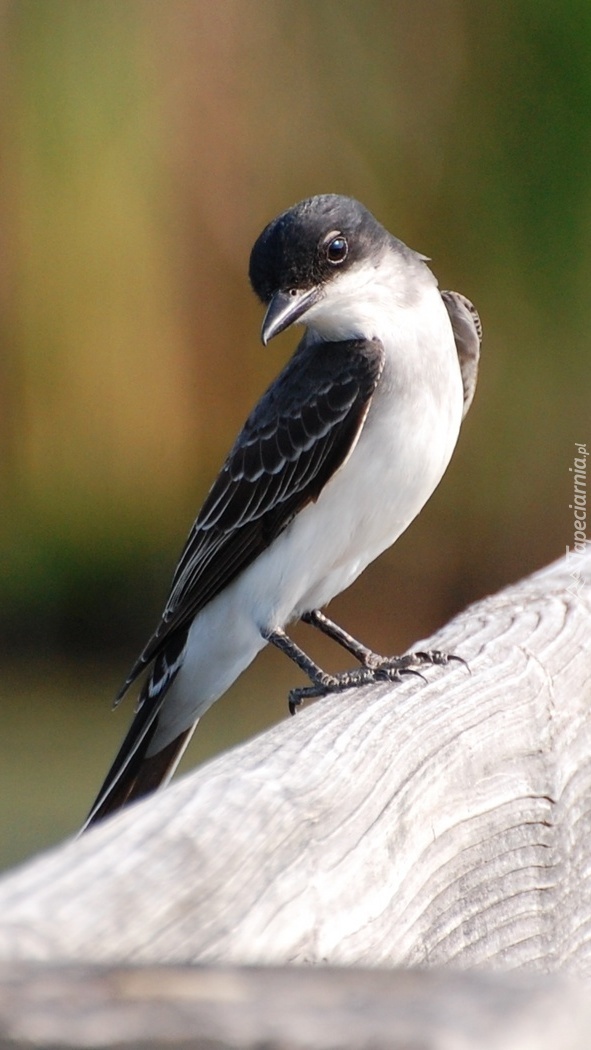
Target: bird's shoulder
467, 332
316, 390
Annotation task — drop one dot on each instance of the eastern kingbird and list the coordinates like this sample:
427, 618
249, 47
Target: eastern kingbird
332, 465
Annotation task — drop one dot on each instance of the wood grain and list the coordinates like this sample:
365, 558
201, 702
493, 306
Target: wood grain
413, 824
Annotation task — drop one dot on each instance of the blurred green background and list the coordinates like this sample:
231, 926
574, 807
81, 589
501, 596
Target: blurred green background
144, 146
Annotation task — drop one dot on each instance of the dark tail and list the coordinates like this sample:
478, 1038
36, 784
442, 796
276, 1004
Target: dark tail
133, 773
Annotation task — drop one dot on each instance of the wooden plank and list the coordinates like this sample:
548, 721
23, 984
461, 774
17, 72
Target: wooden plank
291, 1008
397, 825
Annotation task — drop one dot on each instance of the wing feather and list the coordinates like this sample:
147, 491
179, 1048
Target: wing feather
299, 434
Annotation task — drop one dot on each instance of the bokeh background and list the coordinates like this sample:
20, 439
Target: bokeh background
143, 147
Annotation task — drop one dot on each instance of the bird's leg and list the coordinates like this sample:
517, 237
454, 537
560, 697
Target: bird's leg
323, 682
374, 668
279, 638
366, 656
361, 652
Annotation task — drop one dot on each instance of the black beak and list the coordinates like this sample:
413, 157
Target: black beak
285, 309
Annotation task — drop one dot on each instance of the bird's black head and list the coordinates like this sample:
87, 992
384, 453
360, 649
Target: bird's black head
306, 245
302, 251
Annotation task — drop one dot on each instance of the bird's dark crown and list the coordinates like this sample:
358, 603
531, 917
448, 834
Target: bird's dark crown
292, 251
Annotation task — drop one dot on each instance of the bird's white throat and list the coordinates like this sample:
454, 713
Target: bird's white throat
369, 300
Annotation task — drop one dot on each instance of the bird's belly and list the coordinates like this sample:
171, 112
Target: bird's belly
364, 508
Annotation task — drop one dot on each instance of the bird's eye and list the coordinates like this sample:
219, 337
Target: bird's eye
336, 250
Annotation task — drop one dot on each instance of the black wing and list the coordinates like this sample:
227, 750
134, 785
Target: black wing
302, 430
467, 331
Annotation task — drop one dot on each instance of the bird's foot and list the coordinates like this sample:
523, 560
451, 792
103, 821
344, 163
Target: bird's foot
330, 683
376, 669
438, 657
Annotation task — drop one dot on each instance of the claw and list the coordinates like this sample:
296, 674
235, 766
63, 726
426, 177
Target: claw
460, 660
294, 702
409, 670
310, 692
393, 673
437, 657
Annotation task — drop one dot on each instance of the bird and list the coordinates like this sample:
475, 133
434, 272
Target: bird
337, 458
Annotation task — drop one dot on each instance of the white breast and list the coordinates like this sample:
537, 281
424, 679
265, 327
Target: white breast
400, 457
